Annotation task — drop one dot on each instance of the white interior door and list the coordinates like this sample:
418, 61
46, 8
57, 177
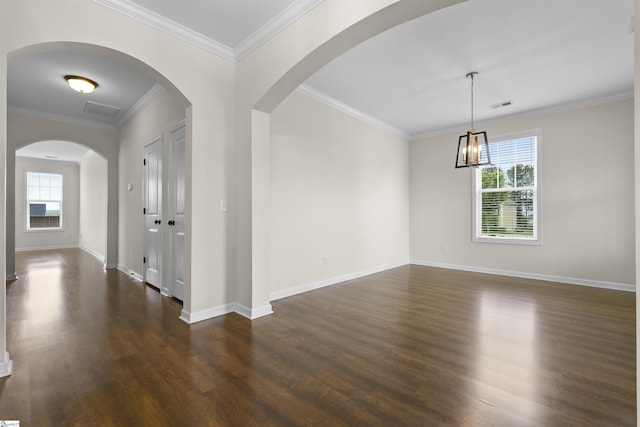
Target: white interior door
153, 213
177, 206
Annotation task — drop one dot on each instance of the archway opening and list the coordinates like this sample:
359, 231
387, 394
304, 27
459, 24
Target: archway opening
110, 123
60, 197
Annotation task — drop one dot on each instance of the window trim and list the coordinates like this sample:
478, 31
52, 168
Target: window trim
29, 229
476, 218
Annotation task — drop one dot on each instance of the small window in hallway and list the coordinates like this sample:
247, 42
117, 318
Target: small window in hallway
44, 201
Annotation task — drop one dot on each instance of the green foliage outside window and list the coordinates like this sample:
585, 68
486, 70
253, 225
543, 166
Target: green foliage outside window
508, 213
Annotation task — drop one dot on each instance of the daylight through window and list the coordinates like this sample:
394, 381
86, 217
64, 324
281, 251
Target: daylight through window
506, 192
44, 201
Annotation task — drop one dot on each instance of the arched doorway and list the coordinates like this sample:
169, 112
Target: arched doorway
70, 181
129, 107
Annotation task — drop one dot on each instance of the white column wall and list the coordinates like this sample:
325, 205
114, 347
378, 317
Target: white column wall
93, 205
5, 361
636, 123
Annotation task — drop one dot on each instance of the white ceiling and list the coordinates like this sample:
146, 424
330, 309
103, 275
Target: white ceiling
54, 150
36, 84
541, 55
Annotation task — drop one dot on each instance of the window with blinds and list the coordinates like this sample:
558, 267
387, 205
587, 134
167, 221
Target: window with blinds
506, 196
44, 201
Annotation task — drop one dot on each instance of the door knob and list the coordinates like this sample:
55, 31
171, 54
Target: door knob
157, 221
171, 222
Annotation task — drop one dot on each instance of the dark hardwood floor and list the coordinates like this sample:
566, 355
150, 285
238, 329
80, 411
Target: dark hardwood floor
409, 346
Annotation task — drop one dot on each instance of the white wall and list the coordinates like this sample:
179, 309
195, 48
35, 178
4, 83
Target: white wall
339, 188
587, 200
157, 119
93, 205
636, 92
68, 236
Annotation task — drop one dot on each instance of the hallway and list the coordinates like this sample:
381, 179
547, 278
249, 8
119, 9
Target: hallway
83, 340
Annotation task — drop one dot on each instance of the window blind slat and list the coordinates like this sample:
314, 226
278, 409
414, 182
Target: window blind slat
506, 191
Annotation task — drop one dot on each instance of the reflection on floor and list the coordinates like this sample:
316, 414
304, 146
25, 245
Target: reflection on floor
409, 346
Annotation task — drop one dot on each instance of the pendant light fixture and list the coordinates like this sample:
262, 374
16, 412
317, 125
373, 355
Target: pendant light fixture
81, 84
473, 148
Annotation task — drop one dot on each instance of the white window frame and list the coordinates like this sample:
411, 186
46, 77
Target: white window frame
537, 198
27, 224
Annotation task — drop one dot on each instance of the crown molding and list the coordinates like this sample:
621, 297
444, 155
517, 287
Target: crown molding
155, 91
263, 34
285, 18
332, 102
338, 105
167, 26
59, 118
528, 114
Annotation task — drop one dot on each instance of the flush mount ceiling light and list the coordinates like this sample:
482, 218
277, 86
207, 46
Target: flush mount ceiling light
81, 84
472, 151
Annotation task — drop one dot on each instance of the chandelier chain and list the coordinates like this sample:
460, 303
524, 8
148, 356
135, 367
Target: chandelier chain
471, 75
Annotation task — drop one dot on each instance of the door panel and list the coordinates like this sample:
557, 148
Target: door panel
153, 213
177, 208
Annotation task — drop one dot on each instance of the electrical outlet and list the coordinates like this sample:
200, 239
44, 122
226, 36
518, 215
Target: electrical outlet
325, 260
445, 249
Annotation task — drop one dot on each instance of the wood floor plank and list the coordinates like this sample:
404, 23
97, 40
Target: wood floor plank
410, 346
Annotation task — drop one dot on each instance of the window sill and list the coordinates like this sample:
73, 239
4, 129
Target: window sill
508, 241
40, 230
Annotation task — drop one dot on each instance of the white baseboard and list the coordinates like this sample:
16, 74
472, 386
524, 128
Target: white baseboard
185, 316
130, 273
561, 279
95, 254
253, 313
221, 310
6, 366
284, 293
112, 266
205, 314
46, 248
